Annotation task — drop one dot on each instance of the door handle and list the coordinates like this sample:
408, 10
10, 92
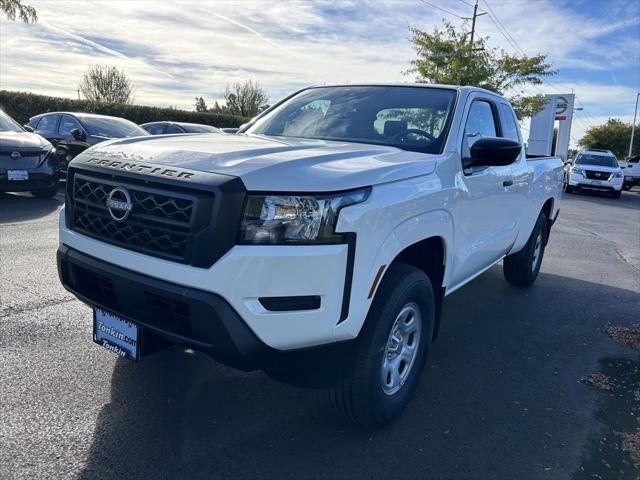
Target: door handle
507, 183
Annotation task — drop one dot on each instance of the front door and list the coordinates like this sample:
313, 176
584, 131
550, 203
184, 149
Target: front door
484, 217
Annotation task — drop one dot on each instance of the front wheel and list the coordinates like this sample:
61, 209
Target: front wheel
522, 268
616, 194
45, 192
392, 350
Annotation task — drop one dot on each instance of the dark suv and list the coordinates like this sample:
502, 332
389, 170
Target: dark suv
27, 161
166, 128
72, 133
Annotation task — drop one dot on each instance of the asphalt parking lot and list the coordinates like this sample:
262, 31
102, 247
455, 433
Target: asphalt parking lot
501, 396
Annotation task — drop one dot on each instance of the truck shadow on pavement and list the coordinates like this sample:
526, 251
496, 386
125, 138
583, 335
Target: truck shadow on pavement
500, 398
22, 207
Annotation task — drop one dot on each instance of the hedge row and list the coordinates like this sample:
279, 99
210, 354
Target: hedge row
23, 105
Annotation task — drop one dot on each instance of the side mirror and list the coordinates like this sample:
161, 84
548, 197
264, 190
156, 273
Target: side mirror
493, 152
28, 128
78, 134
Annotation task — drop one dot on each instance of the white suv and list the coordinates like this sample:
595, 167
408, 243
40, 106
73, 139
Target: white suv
594, 170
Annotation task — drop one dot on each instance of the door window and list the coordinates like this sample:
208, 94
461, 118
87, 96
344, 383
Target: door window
509, 126
171, 128
480, 122
48, 123
67, 124
155, 129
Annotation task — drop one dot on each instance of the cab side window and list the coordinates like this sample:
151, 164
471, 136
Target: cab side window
480, 122
509, 125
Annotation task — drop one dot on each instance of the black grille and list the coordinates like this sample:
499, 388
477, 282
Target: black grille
594, 175
169, 314
100, 286
162, 222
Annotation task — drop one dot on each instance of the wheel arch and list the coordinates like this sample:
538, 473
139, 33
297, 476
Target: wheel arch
547, 209
430, 256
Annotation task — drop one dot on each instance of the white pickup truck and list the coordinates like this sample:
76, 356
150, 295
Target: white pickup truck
317, 245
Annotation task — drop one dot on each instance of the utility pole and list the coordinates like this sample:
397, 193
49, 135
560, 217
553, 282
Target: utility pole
633, 125
473, 22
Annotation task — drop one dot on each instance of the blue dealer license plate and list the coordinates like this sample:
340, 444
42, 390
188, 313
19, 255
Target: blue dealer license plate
116, 334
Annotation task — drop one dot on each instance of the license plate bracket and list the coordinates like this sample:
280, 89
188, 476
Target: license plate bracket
17, 175
118, 335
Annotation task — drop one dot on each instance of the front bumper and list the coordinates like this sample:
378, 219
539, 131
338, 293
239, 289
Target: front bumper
43, 176
579, 181
37, 181
182, 315
247, 273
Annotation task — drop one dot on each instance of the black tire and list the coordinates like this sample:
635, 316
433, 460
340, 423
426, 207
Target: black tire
616, 194
519, 268
626, 187
45, 192
360, 396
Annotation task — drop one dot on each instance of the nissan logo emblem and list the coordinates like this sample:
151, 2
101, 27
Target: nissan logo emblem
16, 155
119, 203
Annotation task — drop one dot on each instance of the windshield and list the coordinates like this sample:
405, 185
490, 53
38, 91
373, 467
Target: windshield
411, 118
196, 128
596, 160
8, 124
112, 127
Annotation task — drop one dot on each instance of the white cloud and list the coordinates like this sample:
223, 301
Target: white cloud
175, 51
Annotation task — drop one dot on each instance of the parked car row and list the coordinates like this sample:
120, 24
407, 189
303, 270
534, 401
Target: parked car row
34, 157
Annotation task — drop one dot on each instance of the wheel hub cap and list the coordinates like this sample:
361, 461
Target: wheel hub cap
401, 348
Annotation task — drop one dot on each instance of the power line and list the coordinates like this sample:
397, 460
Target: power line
472, 5
505, 33
443, 9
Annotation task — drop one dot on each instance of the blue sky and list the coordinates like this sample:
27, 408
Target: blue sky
176, 50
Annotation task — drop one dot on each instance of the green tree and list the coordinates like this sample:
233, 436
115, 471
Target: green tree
246, 99
613, 135
447, 56
15, 8
201, 106
106, 84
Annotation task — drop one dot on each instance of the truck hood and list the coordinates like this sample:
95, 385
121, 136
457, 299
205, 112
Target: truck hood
273, 163
18, 141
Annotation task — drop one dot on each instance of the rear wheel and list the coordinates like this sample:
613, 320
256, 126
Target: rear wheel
45, 192
392, 350
522, 268
626, 187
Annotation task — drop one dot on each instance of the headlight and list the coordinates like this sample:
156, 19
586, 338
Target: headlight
295, 219
618, 175
46, 151
577, 170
